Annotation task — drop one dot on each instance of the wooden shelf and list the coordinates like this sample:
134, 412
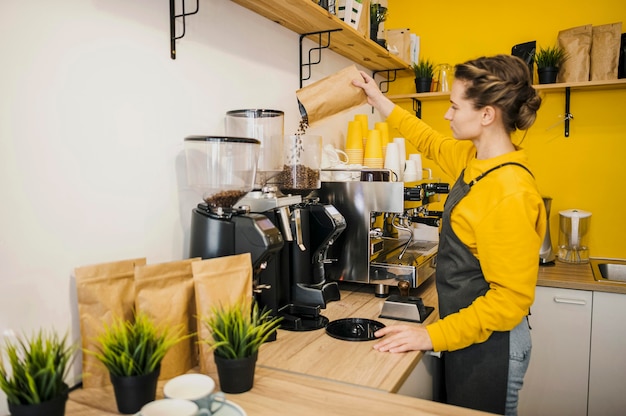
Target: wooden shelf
304, 16
615, 84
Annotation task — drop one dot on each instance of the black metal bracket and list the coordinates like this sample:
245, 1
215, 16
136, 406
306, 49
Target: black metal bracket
386, 81
173, 17
417, 107
317, 49
568, 115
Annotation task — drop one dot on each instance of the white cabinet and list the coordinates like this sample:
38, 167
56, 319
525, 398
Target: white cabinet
607, 370
557, 379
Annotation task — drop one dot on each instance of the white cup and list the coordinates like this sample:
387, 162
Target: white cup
392, 159
195, 387
410, 172
418, 164
171, 407
332, 157
401, 155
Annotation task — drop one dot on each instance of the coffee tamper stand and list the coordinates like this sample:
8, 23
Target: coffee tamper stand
404, 307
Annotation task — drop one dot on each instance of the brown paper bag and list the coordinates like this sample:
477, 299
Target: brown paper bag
219, 281
400, 39
330, 95
577, 44
165, 293
605, 51
105, 291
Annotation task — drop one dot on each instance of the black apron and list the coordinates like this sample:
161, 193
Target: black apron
475, 377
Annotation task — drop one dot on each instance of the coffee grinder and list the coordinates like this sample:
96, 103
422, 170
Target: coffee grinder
309, 228
222, 169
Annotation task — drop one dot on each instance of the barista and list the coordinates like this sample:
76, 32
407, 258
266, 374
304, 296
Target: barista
493, 226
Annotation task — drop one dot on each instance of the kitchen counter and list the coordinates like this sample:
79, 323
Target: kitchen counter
304, 372
278, 392
575, 276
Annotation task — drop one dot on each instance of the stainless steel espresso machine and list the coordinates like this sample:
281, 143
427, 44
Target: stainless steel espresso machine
378, 246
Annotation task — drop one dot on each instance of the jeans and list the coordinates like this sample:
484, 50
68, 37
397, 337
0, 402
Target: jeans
520, 346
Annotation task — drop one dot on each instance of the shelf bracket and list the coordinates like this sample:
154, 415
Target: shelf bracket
568, 115
386, 81
417, 107
173, 17
317, 49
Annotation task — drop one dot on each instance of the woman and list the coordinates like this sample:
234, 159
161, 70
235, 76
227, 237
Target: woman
492, 229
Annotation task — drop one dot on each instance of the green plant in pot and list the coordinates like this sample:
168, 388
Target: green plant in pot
132, 352
237, 332
424, 71
549, 61
33, 373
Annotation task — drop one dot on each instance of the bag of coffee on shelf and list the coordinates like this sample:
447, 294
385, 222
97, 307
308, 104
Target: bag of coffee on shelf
219, 281
605, 51
330, 95
105, 292
576, 42
165, 293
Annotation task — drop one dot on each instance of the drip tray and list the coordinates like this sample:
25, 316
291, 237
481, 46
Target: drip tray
353, 329
301, 318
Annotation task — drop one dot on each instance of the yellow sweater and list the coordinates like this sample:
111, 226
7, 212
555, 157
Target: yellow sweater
502, 221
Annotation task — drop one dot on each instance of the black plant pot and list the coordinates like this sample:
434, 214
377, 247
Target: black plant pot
236, 375
132, 392
53, 407
423, 84
547, 75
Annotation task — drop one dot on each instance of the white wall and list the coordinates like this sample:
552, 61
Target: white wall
93, 113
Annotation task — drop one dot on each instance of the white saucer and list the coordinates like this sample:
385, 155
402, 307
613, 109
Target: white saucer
230, 409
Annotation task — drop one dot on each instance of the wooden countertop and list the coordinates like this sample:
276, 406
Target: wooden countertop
278, 392
304, 373
317, 354
575, 276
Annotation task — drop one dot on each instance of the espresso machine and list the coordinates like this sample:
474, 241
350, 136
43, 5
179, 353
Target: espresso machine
378, 245
222, 169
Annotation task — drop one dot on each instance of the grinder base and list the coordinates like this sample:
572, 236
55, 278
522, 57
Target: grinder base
405, 308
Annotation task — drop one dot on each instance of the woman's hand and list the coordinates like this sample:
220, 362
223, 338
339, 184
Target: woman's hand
375, 98
402, 338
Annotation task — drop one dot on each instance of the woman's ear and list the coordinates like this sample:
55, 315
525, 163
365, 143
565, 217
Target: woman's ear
489, 114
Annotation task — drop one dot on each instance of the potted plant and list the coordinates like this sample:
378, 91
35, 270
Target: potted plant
424, 71
378, 14
132, 352
33, 376
237, 331
549, 60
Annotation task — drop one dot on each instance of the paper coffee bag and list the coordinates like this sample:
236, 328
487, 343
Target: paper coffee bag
605, 46
330, 95
219, 281
105, 292
165, 293
576, 42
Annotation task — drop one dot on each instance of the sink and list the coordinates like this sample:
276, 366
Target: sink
608, 270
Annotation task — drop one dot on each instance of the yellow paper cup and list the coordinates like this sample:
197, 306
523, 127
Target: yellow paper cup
373, 146
354, 136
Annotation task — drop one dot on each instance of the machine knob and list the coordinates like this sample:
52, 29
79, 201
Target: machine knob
404, 286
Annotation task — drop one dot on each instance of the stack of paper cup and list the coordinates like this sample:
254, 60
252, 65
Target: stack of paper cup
354, 143
418, 164
401, 155
392, 161
373, 155
383, 127
362, 118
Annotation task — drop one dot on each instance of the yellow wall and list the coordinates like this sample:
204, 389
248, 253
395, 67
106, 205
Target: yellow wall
585, 171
